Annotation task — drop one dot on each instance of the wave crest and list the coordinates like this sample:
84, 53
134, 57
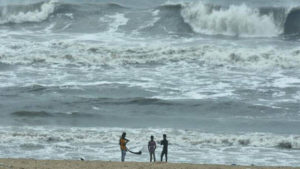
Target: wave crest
291, 25
178, 18
31, 114
37, 15
235, 20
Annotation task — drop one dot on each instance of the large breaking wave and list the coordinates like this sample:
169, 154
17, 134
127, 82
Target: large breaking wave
32, 13
199, 17
235, 20
108, 18
239, 20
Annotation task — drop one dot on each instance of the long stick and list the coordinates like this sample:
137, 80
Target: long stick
137, 153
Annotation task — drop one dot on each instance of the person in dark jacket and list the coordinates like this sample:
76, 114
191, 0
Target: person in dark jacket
165, 143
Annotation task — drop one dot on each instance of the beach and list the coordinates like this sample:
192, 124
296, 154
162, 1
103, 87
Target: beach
71, 164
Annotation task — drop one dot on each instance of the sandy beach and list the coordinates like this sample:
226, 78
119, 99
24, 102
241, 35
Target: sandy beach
71, 164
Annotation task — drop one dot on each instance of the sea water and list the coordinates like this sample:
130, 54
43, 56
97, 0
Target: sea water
220, 78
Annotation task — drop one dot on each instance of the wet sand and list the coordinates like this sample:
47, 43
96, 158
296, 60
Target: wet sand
72, 164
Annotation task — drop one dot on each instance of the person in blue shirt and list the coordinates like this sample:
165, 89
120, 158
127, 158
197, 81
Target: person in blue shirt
151, 148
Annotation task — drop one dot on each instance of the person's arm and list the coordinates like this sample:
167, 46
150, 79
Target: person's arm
154, 145
126, 141
149, 146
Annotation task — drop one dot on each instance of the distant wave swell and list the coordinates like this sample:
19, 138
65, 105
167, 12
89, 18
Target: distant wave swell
45, 114
31, 114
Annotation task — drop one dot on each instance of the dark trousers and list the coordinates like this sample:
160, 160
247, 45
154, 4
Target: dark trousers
164, 152
152, 154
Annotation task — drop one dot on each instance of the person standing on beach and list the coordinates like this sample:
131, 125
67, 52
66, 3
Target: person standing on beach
165, 143
123, 142
151, 148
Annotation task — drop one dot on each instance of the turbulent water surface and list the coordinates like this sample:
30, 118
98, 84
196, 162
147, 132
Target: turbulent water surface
220, 78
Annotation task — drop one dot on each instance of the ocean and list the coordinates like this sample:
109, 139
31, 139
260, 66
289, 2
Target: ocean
220, 77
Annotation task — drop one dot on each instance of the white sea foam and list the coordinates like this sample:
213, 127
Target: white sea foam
115, 21
31, 16
73, 52
151, 22
192, 146
235, 20
69, 15
285, 82
155, 13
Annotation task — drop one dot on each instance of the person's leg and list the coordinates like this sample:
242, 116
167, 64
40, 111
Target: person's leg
161, 156
166, 156
150, 156
154, 156
123, 155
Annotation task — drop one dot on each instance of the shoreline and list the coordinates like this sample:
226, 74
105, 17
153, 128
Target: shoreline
77, 164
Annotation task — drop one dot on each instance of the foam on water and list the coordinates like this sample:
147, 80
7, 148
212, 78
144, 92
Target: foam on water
74, 52
31, 16
115, 21
157, 65
150, 23
236, 20
101, 144
172, 18
285, 82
